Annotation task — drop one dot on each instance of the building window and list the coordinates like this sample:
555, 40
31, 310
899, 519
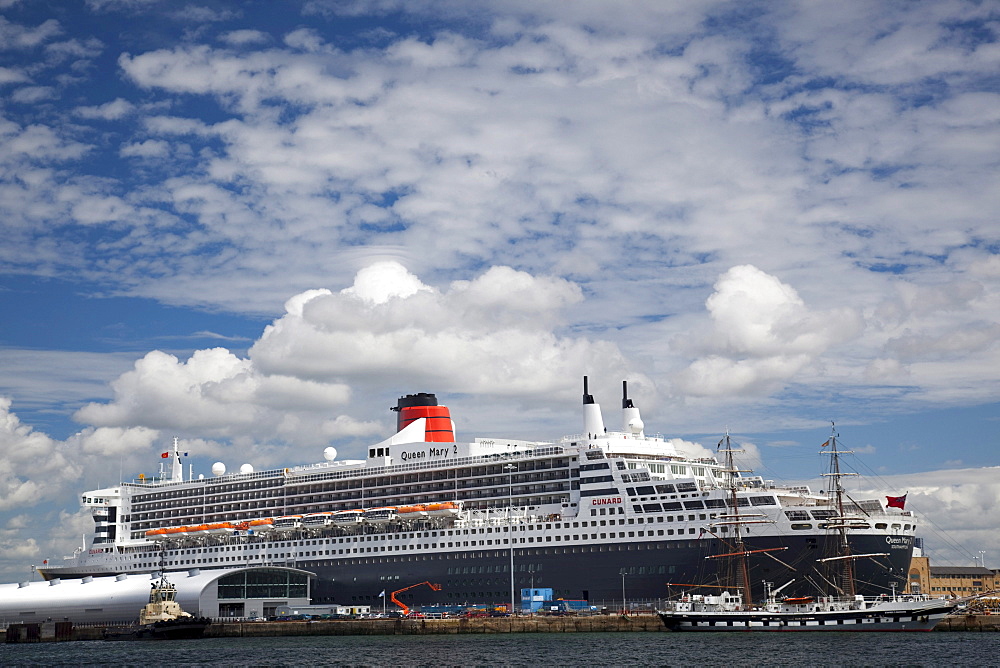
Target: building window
266, 583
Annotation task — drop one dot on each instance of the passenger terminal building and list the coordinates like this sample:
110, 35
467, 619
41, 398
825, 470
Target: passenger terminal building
215, 593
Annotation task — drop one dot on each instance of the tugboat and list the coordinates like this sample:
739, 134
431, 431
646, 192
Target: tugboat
162, 618
845, 610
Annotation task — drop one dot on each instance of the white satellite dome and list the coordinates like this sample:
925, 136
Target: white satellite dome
218, 468
246, 468
330, 454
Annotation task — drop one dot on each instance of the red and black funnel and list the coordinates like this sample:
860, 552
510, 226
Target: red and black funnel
424, 405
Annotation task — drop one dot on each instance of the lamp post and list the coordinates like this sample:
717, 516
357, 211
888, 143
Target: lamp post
510, 529
623, 593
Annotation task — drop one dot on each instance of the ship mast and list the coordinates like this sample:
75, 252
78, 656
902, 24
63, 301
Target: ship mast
836, 490
743, 566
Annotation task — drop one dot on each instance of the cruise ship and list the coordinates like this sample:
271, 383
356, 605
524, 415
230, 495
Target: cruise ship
604, 516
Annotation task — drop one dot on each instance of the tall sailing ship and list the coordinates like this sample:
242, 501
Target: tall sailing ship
601, 515
840, 609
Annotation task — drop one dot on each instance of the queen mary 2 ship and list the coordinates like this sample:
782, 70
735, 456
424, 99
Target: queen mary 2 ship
588, 516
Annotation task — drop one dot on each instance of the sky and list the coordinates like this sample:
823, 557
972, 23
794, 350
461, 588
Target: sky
254, 225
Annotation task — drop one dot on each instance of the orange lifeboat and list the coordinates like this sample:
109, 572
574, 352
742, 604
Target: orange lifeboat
218, 528
443, 509
412, 512
156, 534
798, 600
262, 525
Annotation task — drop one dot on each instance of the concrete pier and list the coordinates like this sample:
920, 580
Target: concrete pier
969, 623
353, 627
440, 626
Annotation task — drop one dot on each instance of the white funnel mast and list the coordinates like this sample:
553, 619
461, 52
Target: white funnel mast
593, 422
177, 471
631, 422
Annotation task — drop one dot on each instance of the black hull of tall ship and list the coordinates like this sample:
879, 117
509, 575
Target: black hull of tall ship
595, 572
883, 617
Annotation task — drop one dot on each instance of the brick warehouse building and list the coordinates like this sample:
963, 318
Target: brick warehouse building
950, 581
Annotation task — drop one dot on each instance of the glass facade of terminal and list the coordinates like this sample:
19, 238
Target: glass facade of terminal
264, 583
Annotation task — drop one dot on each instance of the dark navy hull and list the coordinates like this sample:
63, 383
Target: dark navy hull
595, 572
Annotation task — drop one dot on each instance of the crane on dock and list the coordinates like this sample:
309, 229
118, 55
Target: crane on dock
406, 608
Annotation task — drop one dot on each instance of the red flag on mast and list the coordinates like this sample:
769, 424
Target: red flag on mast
896, 501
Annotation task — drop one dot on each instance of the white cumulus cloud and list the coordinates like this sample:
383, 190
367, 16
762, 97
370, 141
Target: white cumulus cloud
32, 464
494, 334
762, 335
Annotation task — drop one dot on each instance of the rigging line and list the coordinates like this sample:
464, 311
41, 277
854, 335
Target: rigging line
859, 463
856, 504
874, 585
872, 474
942, 534
832, 584
939, 532
788, 566
809, 579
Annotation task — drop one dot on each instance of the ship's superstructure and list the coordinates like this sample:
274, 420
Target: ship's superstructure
589, 516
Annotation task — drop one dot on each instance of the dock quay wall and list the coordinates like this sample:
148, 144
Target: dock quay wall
65, 631
46, 632
440, 626
969, 623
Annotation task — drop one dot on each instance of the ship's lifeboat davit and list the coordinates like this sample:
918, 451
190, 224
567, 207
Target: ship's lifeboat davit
261, 525
220, 528
348, 517
341, 518
382, 515
444, 509
287, 522
412, 512
317, 520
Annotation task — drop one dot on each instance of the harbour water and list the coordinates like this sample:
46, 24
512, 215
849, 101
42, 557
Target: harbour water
572, 649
